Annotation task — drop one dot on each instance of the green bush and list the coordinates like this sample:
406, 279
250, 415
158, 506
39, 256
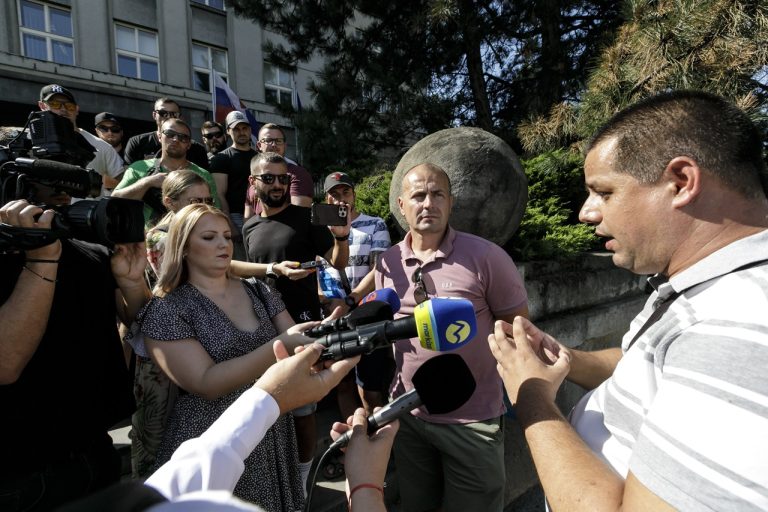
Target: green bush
550, 228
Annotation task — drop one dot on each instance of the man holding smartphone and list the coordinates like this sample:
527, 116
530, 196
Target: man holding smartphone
284, 231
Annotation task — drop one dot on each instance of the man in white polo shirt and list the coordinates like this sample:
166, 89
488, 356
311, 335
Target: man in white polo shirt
677, 417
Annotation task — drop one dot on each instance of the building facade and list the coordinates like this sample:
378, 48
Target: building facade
120, 55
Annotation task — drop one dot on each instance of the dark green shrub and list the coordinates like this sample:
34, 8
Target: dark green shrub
550, 228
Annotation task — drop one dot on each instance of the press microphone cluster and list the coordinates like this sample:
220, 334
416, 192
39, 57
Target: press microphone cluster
441, 324
442, 384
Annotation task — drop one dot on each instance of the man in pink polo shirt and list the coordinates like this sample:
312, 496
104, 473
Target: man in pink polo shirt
455, 461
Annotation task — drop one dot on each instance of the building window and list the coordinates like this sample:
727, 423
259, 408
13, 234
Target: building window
204, 60
216, 4
137, 54
278, 85
46, 32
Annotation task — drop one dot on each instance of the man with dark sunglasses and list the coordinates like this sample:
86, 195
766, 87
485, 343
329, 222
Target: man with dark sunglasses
110, 130
147, 145
231, 169
272, 139
106, 161
283, 231
144, 179
214, 138
451, 461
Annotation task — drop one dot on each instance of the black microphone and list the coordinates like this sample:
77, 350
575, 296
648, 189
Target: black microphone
441, 324
442, 384
76, 181
370, 312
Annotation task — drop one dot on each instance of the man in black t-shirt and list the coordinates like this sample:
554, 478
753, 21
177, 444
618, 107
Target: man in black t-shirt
147, 145
63, 377
283, 231
231, 169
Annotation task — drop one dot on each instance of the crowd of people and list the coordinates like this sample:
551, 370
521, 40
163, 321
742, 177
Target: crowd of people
221, 381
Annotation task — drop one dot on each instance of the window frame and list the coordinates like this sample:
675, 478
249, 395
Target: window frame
46, 34
206, 3
277, 87
136, 55
210, 49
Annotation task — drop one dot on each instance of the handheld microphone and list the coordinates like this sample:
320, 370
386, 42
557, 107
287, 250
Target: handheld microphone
441, 324
442, 384
367, 313
387, 295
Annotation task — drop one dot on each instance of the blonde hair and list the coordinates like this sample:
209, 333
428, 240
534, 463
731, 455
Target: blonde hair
174, 272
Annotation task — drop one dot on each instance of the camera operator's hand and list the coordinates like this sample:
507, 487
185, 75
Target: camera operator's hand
22, 214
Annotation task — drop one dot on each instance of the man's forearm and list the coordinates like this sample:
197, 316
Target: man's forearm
339, 254
24, 319
573, 477
590, 369
135, 191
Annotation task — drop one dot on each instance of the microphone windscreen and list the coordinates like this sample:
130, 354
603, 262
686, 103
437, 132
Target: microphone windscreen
387, 295
368, 313
444, 383
445, 323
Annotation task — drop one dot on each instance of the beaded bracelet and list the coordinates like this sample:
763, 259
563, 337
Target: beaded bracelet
40, 276
364, 486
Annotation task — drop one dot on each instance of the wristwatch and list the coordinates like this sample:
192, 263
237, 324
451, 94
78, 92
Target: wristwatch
350, 301
271, 271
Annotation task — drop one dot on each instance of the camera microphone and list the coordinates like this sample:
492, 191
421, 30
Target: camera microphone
441, 384
377, 306
441, 324
78, 182
369, 312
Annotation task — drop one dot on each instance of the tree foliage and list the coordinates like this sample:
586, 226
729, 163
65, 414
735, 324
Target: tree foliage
396, 71
719, 46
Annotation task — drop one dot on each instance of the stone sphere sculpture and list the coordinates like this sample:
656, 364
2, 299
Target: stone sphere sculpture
489, 185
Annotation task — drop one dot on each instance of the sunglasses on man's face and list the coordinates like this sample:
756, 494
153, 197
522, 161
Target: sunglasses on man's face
167, 113
113, 129
66, 105
173, 134
420, 292
269, 179
212, 135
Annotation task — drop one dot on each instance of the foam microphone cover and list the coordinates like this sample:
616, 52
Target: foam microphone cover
444, 383
387, 295
375, 311
445, 323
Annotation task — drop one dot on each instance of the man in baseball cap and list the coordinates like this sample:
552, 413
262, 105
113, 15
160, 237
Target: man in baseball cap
235, 117
106, 162
368, 238
109, 129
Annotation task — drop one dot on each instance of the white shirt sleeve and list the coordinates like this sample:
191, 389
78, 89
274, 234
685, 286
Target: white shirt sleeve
107, 161
214, 461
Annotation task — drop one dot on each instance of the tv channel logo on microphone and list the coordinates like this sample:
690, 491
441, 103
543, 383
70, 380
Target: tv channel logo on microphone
445, 323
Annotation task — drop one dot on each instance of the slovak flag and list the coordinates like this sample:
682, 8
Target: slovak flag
225, 101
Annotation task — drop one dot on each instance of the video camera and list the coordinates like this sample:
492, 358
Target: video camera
54, 158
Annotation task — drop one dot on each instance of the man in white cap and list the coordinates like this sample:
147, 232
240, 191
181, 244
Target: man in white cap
106, 162
231, 169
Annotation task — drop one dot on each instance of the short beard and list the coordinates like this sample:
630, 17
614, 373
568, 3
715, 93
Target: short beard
265, 198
